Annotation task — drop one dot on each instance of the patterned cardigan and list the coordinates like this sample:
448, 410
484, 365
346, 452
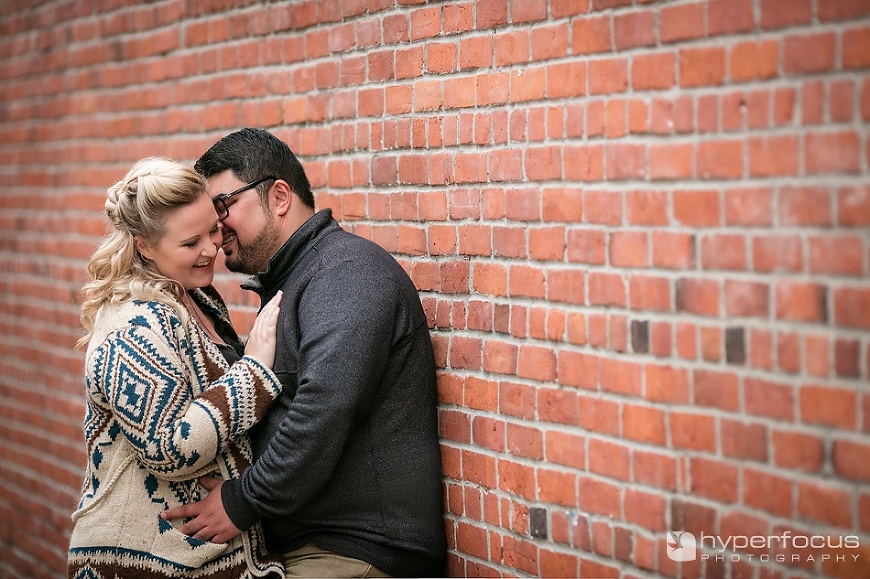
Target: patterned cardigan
163, 407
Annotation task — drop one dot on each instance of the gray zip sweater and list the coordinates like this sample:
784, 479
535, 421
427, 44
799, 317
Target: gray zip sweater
348, 457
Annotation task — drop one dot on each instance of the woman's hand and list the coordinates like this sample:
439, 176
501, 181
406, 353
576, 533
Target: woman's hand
261, 340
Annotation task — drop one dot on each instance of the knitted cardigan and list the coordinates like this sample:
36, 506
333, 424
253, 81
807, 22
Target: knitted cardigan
163, 407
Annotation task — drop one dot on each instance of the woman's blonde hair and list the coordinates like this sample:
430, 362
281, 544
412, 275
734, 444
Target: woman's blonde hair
137, 207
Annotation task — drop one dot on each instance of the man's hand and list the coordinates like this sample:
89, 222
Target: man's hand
209, 520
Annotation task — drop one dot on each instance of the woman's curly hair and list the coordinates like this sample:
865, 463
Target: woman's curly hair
137, 207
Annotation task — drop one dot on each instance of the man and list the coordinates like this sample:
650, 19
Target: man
347, 471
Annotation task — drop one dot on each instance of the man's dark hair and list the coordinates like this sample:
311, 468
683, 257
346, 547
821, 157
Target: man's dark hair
252, 154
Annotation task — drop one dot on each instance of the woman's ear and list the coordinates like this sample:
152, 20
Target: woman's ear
142, 247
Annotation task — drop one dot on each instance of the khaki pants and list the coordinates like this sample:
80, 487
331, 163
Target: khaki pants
312, 561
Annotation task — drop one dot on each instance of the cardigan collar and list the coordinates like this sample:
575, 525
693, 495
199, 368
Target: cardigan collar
267, 283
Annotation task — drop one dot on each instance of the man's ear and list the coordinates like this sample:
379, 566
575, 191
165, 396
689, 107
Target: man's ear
281, 197
142, 247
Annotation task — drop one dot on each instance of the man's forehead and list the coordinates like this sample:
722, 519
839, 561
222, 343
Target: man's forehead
222, 183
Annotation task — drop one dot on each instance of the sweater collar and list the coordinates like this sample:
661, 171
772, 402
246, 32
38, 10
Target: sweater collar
267, 283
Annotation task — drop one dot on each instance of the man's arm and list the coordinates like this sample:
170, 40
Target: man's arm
346, 320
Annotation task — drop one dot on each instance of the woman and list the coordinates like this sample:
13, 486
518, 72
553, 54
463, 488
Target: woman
170, 394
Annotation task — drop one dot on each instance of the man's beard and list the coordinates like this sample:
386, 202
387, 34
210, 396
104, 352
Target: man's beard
252, 258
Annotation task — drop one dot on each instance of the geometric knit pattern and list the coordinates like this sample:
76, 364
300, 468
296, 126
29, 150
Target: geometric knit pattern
163, 407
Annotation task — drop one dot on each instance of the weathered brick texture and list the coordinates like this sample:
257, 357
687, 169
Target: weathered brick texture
640, 230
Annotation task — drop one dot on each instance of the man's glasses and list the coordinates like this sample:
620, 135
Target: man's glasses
220, 202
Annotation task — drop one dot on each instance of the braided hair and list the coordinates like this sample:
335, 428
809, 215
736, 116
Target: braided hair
137, 206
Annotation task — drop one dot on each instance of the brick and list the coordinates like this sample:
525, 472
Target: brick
850, 460
566, 80
652, 71
643, 424
847, 358
783, 13
645, 509
856, 48
842, 10
527, 85
599, 415
666, 384
836, 255
562, 204
832, 153
472, 539
543, 163
465, 353
805, 206
711, 343
586, 246
853, 206
549, 42
824, 504
457, 18
777, 253
720, 159
620, 377
715, 390
654, 469
723, 252
578, 370
499, 357
749, 207
753, 60
771, 399
828, 406
692, 431
565, 449
558, 406
625, 161
646, 207
773, 156
682, 22
584, 163
852, 307
511, 48
702, 66
629, 249
809, 53
743, 441
599, 497
729, 16
673, 250
788, 352
640, 336
558, 564
548, 243
714, 479
698, 296
670, 161
697, 208
746, 299
608, 459
591, 35
606, 289
768, 492
488, 433
608, 76
516, 478
800, 301
633, 29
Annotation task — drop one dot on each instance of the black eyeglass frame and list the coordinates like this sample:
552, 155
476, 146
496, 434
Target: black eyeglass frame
220, 202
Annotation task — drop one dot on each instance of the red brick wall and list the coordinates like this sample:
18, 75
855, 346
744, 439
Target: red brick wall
639, 228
